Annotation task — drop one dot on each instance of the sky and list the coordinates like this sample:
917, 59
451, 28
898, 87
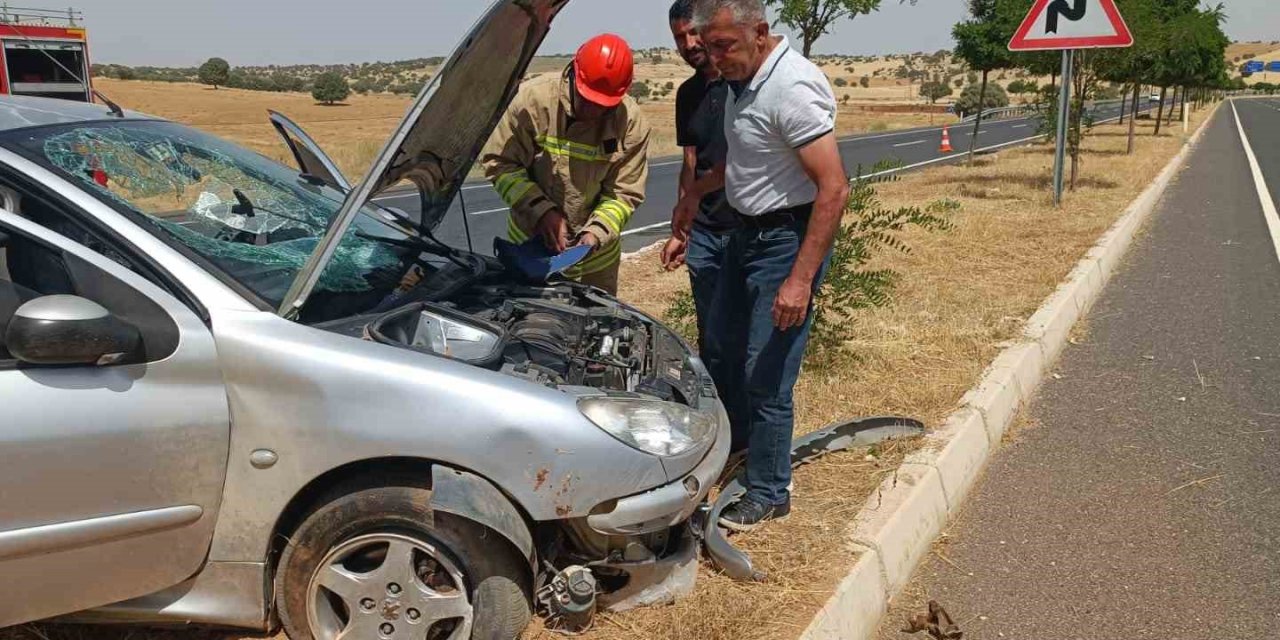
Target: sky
258, 32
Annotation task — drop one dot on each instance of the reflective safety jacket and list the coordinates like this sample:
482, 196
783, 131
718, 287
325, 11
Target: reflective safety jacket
539, 158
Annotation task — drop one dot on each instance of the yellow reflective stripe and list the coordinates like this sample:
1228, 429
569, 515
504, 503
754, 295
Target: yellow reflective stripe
518, 193
512, 187
575, 146
507, 180
615, 213
610, 218
514, 233
568, 148
622, 206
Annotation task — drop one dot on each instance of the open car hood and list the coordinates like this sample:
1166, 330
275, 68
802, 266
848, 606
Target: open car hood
438, 141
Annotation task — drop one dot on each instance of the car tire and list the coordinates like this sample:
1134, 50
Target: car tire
448, 548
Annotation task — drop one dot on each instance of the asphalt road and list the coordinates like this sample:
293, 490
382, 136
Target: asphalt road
487, 213
1144, 500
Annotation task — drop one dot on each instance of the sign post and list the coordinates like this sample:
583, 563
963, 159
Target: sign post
1068, 25
1064, 108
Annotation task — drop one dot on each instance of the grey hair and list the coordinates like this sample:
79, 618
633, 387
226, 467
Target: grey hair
745, 12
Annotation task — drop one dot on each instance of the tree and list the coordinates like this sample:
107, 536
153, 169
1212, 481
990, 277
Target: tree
864, 82
840, 82
813, 19
935, 90
215, 72
994, 98
640, 90
330, 87
982, 42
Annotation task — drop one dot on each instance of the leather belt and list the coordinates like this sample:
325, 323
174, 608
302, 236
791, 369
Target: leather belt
778, 218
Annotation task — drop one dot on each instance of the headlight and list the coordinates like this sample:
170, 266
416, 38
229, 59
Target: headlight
652, 426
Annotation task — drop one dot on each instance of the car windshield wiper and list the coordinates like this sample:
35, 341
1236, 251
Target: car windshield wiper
245, 207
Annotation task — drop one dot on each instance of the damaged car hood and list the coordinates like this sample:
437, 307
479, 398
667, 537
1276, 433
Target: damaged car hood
438, 141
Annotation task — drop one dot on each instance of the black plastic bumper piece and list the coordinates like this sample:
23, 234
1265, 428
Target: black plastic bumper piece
840, 436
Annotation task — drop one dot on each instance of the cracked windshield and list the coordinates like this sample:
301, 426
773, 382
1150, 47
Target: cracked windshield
254, 219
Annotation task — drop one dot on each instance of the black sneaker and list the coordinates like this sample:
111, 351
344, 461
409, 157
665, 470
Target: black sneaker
745, 514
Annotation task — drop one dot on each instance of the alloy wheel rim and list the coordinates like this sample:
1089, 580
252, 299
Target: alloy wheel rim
388, 586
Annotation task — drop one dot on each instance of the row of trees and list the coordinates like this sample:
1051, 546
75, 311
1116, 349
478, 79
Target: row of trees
1179, 46
403, 77
328, 87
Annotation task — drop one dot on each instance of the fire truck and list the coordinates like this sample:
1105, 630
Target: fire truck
45, 53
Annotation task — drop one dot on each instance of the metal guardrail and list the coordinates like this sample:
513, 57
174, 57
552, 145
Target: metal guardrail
43, 17
1003, 112
1028, 109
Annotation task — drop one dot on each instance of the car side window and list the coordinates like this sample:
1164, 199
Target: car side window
31, 268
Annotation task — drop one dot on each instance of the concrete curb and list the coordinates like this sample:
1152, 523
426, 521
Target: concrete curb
894, 531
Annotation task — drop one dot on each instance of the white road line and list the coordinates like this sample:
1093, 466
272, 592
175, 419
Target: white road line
1264, 194
647, 228
666, 164
908, 144
488, 211
1020, 126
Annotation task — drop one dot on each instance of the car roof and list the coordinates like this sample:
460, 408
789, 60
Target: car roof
17, 112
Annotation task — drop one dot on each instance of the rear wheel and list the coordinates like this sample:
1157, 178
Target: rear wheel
377, 564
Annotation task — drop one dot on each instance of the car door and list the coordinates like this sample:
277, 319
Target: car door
112, 475
311, 159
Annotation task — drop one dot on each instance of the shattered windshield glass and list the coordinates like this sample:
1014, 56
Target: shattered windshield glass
251, 217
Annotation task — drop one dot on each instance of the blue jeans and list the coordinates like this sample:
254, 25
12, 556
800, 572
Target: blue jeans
704, 257
757, 392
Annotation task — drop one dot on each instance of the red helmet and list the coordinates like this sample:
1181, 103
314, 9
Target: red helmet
604, 68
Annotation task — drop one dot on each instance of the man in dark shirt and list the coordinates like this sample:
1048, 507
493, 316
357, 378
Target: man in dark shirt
700, 132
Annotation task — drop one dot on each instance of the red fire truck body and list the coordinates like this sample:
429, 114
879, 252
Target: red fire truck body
44, 53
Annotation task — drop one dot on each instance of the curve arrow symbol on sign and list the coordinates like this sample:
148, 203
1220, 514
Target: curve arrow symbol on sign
1061, 8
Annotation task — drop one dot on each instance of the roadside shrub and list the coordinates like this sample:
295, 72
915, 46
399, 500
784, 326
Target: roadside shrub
682, 316
841, 82
995, 98
330, 87
864, 82
850, 285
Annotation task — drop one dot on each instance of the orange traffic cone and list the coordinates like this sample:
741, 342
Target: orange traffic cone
946, 141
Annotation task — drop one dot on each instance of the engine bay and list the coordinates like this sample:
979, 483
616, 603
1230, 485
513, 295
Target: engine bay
562, 335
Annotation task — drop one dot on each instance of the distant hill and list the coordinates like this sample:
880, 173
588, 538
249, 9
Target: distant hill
657, 66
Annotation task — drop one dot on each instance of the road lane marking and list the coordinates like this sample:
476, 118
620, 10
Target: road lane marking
646, 228
908, 144
1264, 194
488, 211
1020, 126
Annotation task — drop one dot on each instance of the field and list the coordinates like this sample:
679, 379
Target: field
353, 132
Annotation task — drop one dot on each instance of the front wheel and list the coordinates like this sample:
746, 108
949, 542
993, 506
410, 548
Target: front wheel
377, 564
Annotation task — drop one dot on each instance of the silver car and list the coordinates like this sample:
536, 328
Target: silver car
222, 403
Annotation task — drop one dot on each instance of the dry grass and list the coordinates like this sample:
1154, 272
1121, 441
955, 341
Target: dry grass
964, 293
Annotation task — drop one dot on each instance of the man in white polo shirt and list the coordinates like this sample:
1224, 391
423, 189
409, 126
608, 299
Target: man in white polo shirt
785, 177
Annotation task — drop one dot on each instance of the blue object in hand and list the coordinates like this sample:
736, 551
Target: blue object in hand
534, 261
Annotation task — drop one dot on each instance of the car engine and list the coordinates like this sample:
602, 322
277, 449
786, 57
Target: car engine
558, 336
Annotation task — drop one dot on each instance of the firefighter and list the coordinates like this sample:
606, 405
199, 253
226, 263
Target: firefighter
570, 158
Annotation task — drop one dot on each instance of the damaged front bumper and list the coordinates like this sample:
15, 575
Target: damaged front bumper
671, 504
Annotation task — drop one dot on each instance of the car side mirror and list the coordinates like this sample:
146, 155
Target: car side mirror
69, 330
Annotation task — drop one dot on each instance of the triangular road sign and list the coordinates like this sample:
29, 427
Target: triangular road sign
1071, 24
